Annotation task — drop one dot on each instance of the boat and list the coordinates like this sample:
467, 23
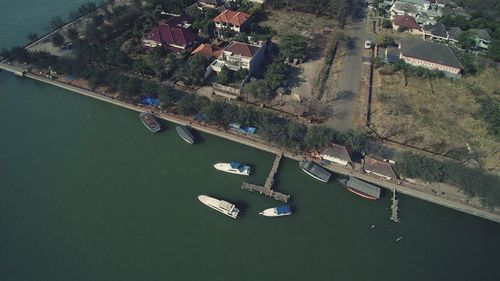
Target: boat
185, 134
361, 188
150, 122
222, 206
279, 211
315, 170
234, 167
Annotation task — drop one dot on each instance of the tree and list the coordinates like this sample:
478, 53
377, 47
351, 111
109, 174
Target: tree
387, 24
467, 41
193, 73
72, 34
494, 50
293, 46
57, 39
130, 87
32, 37
225, 76
259, 89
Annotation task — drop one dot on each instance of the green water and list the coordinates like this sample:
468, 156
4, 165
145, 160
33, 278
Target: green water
87, 193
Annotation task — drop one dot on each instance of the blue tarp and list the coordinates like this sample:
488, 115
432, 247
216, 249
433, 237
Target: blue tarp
150, 101
242, 129
284, 209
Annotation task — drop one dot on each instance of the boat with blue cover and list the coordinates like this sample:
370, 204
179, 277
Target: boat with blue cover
234, 167
283, 210
185, 134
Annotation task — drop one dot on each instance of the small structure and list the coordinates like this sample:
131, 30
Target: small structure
407, 23
430, 55
454, 33
235, 21
482, 38
209, 4
175, 34
401, 8
337, 154
207, 50
392, 54
379, 168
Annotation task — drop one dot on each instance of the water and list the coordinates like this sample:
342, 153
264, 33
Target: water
87, 193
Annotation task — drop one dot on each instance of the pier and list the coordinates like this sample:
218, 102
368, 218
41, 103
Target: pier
267, 189
394, 207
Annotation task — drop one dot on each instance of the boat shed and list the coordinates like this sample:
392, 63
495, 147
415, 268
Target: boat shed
337, 154
363, 187
379, 168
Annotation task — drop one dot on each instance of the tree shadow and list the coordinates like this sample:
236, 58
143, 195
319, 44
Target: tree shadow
294, 80
344, 95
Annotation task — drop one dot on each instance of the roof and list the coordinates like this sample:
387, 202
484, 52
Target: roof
416, 2
405, 7
172, 35
454, 32
437, 29
207, 50
379, 167
215, 3
181, 21
232, 17
482, 34
243, 49
406, 21
430, 51
338, 151
316, 170
364, 187
392, 54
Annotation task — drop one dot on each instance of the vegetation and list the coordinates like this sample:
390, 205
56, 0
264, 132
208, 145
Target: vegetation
57, 39
338, 9
474, 181
387, 24
293, 46
227, 76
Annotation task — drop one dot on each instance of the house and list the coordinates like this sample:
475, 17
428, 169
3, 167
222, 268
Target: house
208, 51
482, 38
379, 168
401, 8
430, 55
235, 21
435, 32
337, 154
239, 55
454, 33
209, 4
419, 4
406, 23
175, 34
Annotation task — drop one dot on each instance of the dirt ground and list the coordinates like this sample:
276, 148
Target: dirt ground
438, 115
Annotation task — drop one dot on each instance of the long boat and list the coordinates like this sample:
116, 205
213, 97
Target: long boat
361, 188
315, 170
234, 167
150, 122
221, 206
185, 134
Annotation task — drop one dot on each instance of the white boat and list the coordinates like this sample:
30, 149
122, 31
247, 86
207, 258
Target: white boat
279, 211
234, 167
222, 206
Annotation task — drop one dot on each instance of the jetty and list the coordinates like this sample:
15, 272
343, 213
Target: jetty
267, 188
394, 207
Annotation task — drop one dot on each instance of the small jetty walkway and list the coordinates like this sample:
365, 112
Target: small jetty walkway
267, 189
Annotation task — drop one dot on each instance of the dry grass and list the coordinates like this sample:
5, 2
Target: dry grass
439, 117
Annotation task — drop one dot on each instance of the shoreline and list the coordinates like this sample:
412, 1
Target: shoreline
405, 188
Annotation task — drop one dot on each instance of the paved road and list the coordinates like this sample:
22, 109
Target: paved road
349, 77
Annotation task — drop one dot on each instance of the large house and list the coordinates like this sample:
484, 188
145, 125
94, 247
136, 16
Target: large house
235, 21
406, 23
430, 55
338, 154
175, 34
239, 55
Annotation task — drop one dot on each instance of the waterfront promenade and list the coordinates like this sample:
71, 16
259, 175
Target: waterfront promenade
405, 187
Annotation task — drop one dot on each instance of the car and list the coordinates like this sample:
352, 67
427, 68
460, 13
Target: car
368, 44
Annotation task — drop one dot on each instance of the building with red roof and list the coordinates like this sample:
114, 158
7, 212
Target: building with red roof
208, 51
232, 20
175, 34
238, 55
406, 22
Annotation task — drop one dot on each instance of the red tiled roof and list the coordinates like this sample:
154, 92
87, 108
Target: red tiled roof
172, 35
245, 50
406, 21
208, 51
232, 17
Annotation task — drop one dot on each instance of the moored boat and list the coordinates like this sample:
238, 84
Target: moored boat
185, 134
279, 211
315, 170
362, 188
234, 167
221, 206
150, 122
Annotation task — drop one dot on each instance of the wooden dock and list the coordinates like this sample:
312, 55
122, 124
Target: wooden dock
267, 189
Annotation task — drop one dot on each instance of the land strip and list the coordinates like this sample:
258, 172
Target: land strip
403, 187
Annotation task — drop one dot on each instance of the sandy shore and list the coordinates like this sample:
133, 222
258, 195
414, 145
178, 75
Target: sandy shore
405, 187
